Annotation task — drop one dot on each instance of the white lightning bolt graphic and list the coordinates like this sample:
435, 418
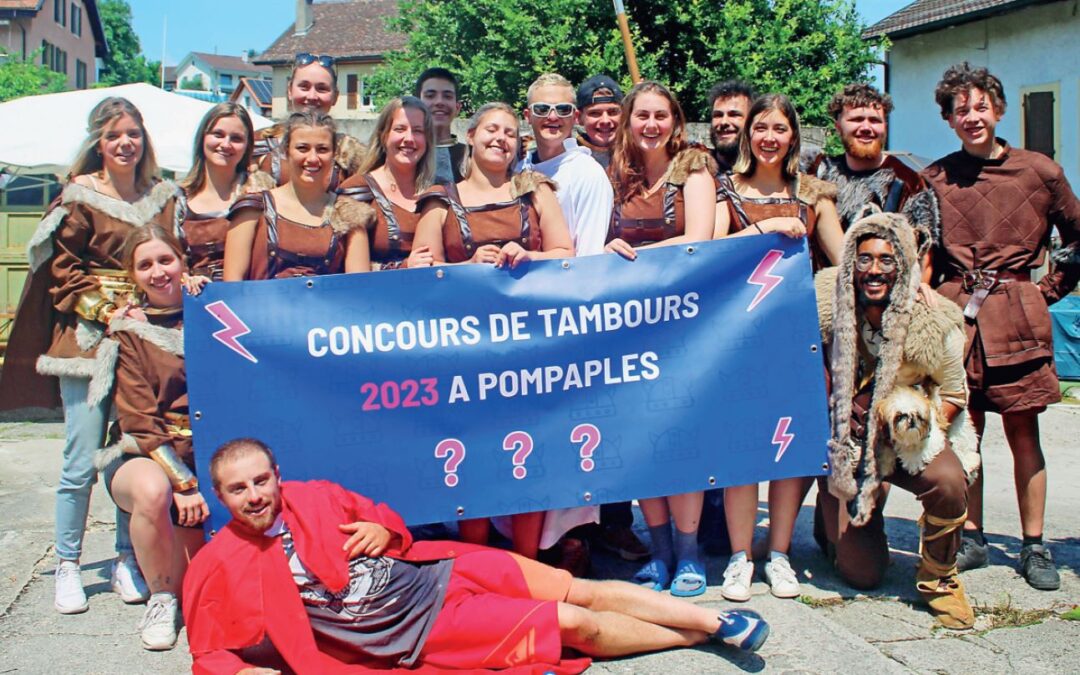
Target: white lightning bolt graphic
233, 330
762, 276
781, 437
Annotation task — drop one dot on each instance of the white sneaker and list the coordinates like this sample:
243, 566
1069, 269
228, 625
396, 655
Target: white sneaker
127, 581
782, 578
158, 625
737, 578
70, 596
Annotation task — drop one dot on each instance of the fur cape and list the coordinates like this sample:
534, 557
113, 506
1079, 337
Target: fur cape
810, 190
912, 332
528, 181
689, 160
347, 214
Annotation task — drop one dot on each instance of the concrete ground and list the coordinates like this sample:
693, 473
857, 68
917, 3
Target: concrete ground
831, 628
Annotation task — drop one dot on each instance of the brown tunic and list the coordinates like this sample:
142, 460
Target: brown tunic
151, 382
393, 227
202, 236
744, 211
284, 248
997, 216
467, 228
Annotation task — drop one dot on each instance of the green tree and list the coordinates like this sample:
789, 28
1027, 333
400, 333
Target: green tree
194, 83
19, 77
125, 63
807, 50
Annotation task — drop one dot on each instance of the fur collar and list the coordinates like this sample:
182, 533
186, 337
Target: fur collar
350, 152
528, 181
811, 190
687, 162
107, 455
348, 215
167, 339
257, 181
843, 351
100, 369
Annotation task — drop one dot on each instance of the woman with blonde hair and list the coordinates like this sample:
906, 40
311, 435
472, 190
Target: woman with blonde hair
399, 165
302, 228
664, 195
218, 176
766, 193
77, 285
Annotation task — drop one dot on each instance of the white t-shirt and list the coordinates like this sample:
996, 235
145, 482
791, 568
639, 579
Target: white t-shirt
584, 193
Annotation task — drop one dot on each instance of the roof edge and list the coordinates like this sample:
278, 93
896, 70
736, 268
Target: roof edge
948, 22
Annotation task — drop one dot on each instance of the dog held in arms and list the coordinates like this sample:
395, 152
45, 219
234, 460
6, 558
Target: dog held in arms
911, 420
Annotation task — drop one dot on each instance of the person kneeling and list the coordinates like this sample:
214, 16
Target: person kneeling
330, 578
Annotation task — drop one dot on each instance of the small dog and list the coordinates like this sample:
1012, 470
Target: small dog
914, 432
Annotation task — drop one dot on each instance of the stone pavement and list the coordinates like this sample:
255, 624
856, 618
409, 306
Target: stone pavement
832, 628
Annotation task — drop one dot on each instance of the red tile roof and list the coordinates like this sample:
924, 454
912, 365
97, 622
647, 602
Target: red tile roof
354, 30
923, 16
32, 5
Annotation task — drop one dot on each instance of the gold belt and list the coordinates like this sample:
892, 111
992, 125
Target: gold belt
178, 424
116, 285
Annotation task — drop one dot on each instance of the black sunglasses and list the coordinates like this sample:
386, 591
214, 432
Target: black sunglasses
324, 60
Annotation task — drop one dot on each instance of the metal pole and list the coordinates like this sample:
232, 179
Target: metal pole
628, 43
164, 37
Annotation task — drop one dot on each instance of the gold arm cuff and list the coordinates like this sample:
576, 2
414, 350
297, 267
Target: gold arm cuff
92, 304
178, 473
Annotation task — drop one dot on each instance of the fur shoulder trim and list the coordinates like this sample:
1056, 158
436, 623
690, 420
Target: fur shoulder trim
350, 152
274, 131
528, 181
258, 181
687, 162
40, 248
930, 326
812, 189
109, 454
100, 370
136, 214
170, 340
349, 214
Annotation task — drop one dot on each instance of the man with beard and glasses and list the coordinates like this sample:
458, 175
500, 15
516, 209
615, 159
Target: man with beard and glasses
599, 100
881, 344
729, 103
999, 206
438, 89
329, 581
865, 173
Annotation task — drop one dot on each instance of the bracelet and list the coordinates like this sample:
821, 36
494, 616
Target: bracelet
177, 472
760, 231
93, 305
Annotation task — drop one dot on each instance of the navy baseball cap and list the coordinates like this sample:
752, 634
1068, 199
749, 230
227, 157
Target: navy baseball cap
598, 89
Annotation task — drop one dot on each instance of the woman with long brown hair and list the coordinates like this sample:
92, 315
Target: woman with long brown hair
399, 165
76, 286
301, 228
664, 195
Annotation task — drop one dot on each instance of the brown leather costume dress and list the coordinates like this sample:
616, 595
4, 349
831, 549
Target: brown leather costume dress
997, 216
647, 218
268, 155
467, 228
284, 248
393, 228
203, 237
745, 211
75, 264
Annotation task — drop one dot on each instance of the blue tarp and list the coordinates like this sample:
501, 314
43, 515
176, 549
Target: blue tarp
1066, 319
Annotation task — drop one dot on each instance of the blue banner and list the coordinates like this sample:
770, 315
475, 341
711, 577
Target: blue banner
467, 391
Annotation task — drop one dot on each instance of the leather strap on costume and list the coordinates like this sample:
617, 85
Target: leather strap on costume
896, 192
947, 526
643, 231
725, 192
280, 257
393, 229
461, 212
213, 251
981, 283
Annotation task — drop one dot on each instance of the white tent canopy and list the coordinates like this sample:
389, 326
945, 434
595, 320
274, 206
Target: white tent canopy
41, 134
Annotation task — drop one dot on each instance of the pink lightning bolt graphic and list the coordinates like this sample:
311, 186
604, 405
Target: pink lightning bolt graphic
781, 437
762, 276
234, 329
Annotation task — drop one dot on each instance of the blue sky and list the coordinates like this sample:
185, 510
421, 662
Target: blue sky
233, 26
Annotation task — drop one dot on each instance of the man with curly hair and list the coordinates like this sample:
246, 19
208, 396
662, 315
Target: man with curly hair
999, 205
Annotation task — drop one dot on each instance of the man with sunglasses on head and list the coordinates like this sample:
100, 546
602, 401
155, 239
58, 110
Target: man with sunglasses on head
438, 89
584, 191
599, 100
311, 85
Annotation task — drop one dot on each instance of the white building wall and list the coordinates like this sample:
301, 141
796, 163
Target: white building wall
1034, 46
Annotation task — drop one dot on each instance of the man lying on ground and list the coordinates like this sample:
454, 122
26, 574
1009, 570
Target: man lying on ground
329, 578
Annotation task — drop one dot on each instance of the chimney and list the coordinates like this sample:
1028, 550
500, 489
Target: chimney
304, 17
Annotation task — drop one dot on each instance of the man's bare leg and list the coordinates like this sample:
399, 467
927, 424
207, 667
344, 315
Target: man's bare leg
610, 634
644, 604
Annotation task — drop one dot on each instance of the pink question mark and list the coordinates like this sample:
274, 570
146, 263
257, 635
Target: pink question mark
454, 451
591, 435
522, 445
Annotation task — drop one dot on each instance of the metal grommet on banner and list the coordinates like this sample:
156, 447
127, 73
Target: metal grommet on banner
588, 496
712, 480
461, 510
813, 349
690, 250
439, 274
310, 284
566, 264
198, 414
824, 466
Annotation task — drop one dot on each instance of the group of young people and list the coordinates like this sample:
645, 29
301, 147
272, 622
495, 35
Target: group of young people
117, 250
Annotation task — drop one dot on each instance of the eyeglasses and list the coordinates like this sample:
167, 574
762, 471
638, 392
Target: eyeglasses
544, 109
865, 262
304, 59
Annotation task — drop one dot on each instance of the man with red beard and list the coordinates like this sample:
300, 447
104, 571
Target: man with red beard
865, 173
999, 205
729, 103
438, 89
328, 579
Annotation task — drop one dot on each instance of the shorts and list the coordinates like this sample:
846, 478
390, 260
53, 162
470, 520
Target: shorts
109, 472
500, 610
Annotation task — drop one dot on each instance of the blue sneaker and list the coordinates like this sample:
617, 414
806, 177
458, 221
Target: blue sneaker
742, 628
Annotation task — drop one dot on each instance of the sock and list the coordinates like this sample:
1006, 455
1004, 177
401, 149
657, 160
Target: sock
977, 535
773, 555
662, 547
737, 557
686, 545
1031, 541
163, 596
